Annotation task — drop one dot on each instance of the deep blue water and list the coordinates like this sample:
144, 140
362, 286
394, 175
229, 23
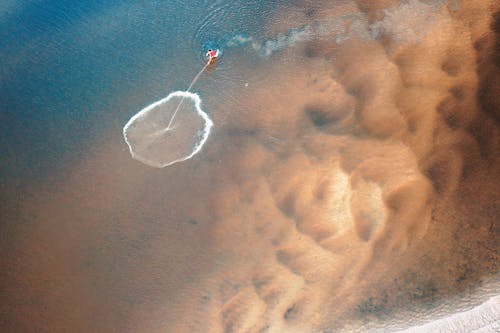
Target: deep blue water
72, 70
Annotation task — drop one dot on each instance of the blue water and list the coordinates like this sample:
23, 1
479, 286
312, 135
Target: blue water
72, 70
91, 236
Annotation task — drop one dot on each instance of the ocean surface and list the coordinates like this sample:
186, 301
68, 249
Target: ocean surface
349, 181
71, 71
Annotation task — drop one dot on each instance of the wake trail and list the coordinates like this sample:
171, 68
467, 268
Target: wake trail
188, 90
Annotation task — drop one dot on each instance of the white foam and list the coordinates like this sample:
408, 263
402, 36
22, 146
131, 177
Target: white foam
484, 318
141, 125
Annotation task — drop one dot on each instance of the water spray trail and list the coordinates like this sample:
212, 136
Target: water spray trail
188, 90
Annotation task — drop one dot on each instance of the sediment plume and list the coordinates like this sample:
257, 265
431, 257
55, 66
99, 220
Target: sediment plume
355, 188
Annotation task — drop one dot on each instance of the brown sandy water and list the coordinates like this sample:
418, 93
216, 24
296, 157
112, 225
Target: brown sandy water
356, 186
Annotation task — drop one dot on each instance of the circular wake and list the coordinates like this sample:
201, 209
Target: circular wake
156, 138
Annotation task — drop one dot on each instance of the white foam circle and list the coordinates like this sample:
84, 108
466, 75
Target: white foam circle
152, 142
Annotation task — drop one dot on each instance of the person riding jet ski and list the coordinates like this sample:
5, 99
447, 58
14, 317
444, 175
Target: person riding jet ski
212, 55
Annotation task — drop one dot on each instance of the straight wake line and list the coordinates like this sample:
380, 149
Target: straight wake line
188, 90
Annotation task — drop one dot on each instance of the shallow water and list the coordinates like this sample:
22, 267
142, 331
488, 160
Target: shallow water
349, 182
82, 66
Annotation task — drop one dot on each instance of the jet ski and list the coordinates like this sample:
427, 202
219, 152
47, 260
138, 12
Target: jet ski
212, 55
